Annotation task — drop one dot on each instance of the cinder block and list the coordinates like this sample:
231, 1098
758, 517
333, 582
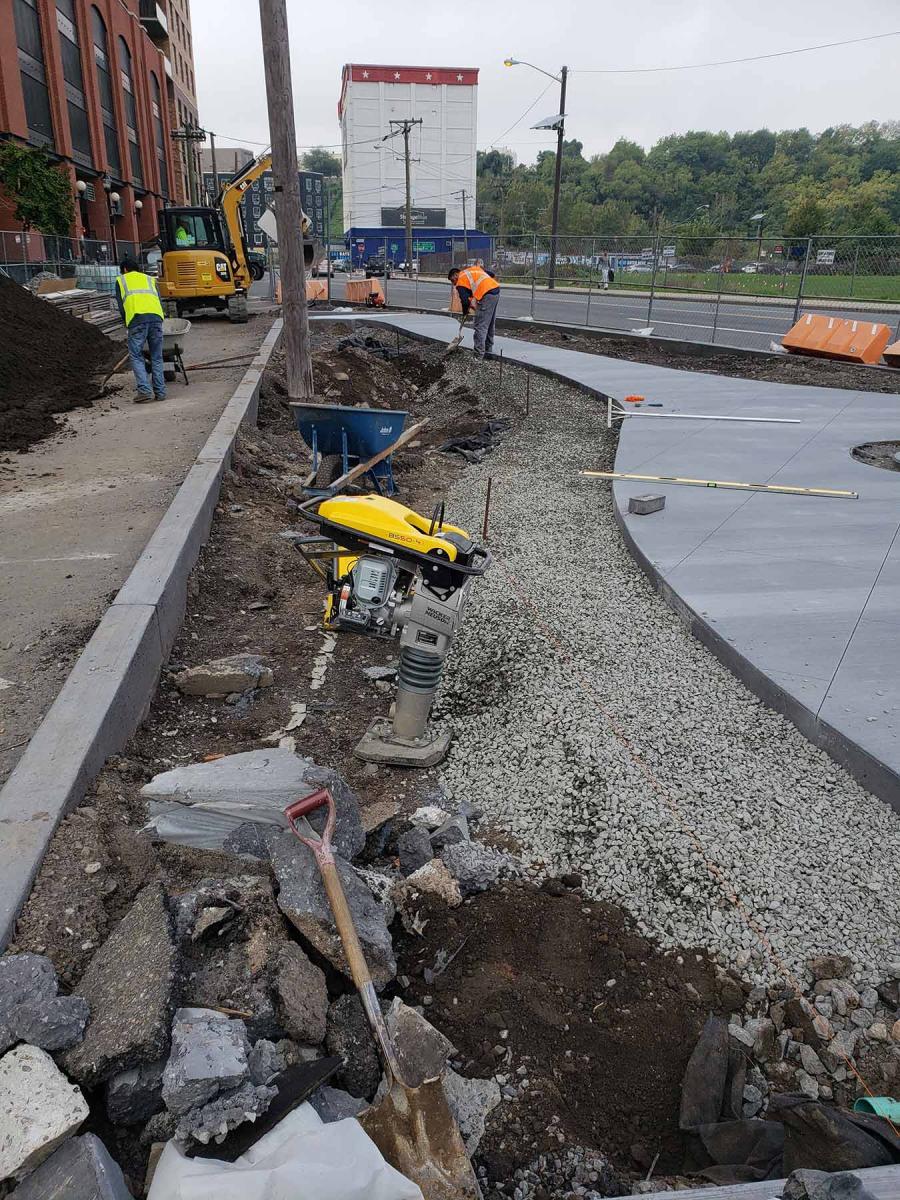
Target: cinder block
641, 506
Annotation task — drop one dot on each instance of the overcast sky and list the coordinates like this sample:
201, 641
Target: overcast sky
850, 84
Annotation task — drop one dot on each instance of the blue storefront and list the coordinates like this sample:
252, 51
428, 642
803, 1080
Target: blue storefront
363, 243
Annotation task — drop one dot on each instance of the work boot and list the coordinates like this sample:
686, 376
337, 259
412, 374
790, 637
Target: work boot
162, 397
143, 397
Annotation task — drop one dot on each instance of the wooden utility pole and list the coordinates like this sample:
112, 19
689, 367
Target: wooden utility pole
404, 127
464, 194
280, 99
215, 169
557, 178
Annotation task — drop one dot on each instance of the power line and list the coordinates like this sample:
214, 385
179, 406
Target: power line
523, 116
728, 62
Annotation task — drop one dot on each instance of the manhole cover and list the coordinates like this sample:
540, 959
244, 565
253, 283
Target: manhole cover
878, 454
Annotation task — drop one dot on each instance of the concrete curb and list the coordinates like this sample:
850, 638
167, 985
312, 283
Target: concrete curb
108, 691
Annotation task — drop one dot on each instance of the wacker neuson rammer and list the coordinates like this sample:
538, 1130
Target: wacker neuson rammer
391, 572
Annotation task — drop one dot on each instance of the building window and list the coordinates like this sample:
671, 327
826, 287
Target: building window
104, 85
131, 124
72, 73
159, 135
33, 74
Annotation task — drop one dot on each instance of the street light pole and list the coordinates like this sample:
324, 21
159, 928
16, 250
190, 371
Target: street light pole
560, 135
561, 79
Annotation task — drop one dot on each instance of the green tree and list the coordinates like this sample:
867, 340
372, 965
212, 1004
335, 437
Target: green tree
41, 193
321, 160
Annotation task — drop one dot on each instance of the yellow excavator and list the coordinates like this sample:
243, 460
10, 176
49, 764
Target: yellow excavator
205, 259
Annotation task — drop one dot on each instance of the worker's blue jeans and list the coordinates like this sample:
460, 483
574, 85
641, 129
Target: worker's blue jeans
147, 328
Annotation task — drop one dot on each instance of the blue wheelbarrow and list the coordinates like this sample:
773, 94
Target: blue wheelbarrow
353, 434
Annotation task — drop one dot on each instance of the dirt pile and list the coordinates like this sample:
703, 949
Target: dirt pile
590, 1023
721, 361
50, 363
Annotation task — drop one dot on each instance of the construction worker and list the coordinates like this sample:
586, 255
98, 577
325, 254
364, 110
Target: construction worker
184, 239
142, 313
475, 283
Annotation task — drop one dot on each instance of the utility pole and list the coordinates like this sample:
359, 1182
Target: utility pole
560, 135
463, 193
280, 99
215, 169
404, 127
188, 134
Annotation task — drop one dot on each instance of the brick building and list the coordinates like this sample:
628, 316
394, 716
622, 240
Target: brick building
85, 80
169, 25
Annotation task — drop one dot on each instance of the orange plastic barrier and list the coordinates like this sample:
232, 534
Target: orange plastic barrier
359, 291
316, 289
837, 337
892, 355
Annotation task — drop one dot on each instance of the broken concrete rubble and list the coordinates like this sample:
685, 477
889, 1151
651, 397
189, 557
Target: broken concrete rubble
422, 1050
433, 879
30, 1009
453, 830
429, 817
204, 803
414, 849
129, 985
473, 866
133, 1096
209, 1055
350, 1037
81, 1169
39, 1109
213, 1121
301, 996
381, 884
470, 1101
301, 897
221, 676
266, 1060
332, 1104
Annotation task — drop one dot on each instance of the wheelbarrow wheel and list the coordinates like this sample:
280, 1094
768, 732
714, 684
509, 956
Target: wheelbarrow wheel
331, 467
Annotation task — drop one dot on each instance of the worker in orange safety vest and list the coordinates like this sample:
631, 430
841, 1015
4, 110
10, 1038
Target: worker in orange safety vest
475, 283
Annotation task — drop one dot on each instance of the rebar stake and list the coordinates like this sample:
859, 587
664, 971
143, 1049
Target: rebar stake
487, 507
501, 370
527, 393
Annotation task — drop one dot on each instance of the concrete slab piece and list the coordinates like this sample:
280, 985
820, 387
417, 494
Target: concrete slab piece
39, 1108
81, 1169
797, 595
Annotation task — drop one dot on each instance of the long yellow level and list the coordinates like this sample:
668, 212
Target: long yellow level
836, 493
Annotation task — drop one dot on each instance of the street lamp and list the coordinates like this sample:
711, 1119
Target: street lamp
114, 199
758, 218
558, 123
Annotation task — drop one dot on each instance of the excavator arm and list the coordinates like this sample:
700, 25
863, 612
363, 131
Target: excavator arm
229, 203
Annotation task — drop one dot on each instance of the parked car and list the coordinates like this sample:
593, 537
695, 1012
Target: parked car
401, 268
340, 264
323, 268
643, 268
750, 269
376, 266
256, 261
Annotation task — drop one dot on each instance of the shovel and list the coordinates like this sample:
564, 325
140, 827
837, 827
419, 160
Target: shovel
412, 1127
451, 346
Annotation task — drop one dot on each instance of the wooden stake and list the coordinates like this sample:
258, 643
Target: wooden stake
279, 95
728, 484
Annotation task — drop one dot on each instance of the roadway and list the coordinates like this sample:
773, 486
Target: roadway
750, 326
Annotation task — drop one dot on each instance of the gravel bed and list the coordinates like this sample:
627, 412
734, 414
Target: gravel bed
566, 626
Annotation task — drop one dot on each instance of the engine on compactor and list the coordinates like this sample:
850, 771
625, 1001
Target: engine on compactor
391, 572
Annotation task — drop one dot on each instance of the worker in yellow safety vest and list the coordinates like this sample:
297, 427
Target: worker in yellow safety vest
475, 283
142, 312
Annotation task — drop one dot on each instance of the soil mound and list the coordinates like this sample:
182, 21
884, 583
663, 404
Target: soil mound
49, 363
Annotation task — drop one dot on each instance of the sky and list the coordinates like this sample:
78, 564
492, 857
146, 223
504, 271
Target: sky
850, 85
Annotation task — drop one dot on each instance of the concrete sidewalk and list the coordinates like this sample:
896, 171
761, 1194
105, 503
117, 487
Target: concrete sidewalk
77, 510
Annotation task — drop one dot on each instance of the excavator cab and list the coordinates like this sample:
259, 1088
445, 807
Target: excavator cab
198, 269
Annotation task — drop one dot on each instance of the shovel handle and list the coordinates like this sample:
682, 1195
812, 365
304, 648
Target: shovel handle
307, 804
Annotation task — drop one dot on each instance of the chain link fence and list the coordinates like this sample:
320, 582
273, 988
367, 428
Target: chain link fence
744, 292
736, 291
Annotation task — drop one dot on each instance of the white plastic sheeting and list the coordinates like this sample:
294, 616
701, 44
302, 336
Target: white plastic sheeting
300, 1159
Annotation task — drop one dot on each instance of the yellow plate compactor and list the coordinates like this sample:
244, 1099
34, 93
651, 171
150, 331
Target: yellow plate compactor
391, 572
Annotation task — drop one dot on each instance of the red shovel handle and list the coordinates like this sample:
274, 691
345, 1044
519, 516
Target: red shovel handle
321, 847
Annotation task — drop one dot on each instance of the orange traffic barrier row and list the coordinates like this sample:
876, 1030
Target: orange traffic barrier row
837, 337
316, 289
892, 355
